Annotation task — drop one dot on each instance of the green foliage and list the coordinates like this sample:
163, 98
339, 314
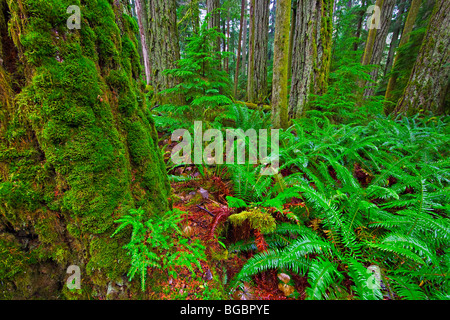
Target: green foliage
203, 87
374, 195
153, 244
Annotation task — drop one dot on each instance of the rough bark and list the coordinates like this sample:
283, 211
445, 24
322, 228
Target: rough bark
312, 53
164, 48
78, 150
143, 33
374, 53
257, 80
428, 84
238, 61
409, 24
281, 65
291, 37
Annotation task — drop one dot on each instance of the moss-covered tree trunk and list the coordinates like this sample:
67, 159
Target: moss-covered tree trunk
428, 85
164, 47
78, 149
238, 57
281, 65
312, 53
259, 34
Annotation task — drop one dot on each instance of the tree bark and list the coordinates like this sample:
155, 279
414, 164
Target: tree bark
428, 84
241, 29
395, 37
374, 52
257, 80
78, 150
143, 33
409, 25
164, 48
281, 65
212, 7
312, 53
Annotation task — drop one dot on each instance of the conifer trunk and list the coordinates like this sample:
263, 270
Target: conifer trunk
259, 34
312, 53
428, 85
78, 150
409, 24
374, 53
281, 65
238, 60
163, 44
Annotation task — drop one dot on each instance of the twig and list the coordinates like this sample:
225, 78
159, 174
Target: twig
206, 210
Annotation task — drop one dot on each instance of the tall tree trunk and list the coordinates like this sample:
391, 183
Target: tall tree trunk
361, 13
395, 37
143, 33
227, 49
281, 65
244, 42
212, 7
374, 53
428, 85
291, 37
241, 29
78, 150
312, 53
409, 25
257, 63
164, 47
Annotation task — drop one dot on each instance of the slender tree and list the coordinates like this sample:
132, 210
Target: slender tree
212, 8
164, 48
238, 59
281, 65
428, 85
257, 63
78, 149
312, 53
409, 24
376, 43
143, 33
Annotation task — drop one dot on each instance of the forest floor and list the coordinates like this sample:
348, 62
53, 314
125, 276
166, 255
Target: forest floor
202, 197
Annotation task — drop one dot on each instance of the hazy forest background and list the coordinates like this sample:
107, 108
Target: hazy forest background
93, 207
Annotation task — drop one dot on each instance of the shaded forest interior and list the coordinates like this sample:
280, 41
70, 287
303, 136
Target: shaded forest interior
341, 108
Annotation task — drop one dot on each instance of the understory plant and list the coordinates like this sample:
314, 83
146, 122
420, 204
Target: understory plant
158, 242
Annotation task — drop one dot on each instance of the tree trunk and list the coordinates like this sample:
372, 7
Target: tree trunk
78, 150
257, 80
241, 29
374, 53
291, 37
143, 33
281, 65
312, 53
409, 24
244, 42
163, 44
428, 84
395, 37
359, 25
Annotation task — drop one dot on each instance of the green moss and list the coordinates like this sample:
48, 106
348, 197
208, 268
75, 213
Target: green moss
79, 129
